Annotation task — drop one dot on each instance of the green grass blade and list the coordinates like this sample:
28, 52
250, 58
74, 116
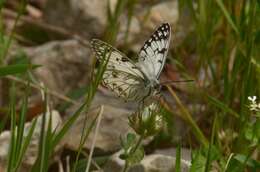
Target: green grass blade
7, 45
85, 134
211, 144
40, 161
42, 150
222, 106
14, 69
2, 2
227, 15
90, 95
26, 143
248, 161
20, 127
12, 146
98, 119
178, 159
48, 148
67, 125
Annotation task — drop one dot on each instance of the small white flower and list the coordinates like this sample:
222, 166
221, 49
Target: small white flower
147, 121
252, 99
253, 106
148, 110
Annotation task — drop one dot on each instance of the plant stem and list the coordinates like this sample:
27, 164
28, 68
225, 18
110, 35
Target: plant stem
9, 40
133, 151
137, 144
125, 167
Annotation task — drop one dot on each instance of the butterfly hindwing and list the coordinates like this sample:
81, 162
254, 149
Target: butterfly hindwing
122, 76
154, 51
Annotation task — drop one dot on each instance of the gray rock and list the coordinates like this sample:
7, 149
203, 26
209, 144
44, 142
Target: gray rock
134, 31
114, 123
85, 17
185, 153
65, 64
150, 163
162, 163
89, 18
166, 11
147, 18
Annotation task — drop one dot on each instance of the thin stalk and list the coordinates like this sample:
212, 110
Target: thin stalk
208, 162
227, 15
43, 134
137, 144
187, 117
11, 153
228, 161
95, 137
178, 159
1, 27
132, 151
5, 50
126, 166
85, 133
39, 87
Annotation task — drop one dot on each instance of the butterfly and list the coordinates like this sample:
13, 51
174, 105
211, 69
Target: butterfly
135, 80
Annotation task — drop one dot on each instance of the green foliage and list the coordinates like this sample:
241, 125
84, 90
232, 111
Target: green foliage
253, 164
178, 159
2, 4
74, 95
132, 150
239, 162
222, 106
113, 20
5, 42
113, 16
91, 90
15, 69
225, 41
201, 159
252, 132
198, 162
227, 51
19, 140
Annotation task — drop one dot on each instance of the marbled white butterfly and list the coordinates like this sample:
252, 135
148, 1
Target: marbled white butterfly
135, 80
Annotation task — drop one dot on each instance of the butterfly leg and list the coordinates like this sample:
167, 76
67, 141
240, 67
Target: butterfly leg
141, 104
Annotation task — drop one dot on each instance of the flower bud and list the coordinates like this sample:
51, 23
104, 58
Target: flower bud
147, 121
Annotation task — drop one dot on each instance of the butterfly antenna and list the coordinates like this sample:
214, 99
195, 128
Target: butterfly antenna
171, 82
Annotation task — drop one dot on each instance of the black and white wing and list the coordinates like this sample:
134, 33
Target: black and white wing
121, 75
153, 54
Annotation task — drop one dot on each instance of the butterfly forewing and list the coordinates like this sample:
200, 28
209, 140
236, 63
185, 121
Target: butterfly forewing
153, 54
122, 76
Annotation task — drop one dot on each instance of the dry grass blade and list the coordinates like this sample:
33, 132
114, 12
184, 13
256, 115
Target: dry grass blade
188, 118
38, 87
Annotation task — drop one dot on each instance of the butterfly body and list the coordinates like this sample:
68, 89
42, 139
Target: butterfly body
135, 80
